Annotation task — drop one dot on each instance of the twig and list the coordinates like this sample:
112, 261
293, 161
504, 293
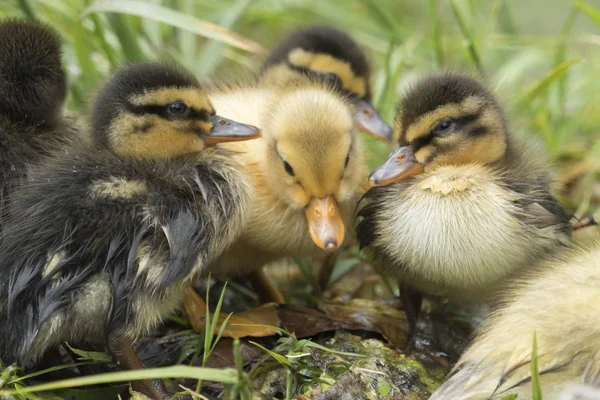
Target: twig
584, 222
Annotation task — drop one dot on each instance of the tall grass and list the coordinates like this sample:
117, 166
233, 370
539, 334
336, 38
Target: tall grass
545, 72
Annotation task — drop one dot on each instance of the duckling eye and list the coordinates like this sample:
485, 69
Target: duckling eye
333, 78
178, 108
288, 168
444, 126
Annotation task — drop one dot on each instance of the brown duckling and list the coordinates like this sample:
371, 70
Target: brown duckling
560, 303
459, 207
32, 94
104, 238
328, 53
307, 170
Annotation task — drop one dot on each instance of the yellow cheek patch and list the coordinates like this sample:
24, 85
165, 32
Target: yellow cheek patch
162, 139
204, 125
425, 123
324, 63
483, 150
118, 188
423, 154
192, 97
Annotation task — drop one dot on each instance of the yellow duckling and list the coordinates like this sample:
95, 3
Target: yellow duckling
560, 303
307, 169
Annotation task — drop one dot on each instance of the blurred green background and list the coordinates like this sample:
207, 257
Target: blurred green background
541, 56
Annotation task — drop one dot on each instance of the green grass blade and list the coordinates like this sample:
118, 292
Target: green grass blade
588, 10
127, 37
536, 389
26, 8
462, 23
186, 41
176, 19
109, 52
97, 356
48, 370
277, 357
561, 54
213, 52
221, 330
308, 343
215, 319
437, 33
385, 18
226, 376
542, 85
83, 52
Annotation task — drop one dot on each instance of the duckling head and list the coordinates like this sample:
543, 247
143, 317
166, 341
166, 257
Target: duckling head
314, 160
329, 54
445, 119
32, 81
153, 110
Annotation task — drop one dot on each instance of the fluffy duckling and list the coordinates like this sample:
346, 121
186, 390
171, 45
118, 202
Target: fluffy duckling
32, 93
330, 54
307, 170
560, 303
104, 238
459, 206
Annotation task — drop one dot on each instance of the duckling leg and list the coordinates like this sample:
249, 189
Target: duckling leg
325, 271
411, 301
121, 350
264, 288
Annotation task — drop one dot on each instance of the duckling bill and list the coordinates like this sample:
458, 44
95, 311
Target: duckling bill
329, 54
459, 207
105, 237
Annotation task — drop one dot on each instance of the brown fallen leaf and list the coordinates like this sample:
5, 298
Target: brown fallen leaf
239, 324
358, 314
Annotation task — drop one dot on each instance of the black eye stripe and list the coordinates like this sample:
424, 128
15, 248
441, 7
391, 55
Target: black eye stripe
338, 86
422, 141
162, 111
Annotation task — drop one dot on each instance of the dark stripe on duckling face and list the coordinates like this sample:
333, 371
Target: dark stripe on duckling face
333, 80
164, 111
457, 124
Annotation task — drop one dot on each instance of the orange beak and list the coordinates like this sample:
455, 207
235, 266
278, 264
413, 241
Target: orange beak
225, 130
325, 224
401, 164
368, 120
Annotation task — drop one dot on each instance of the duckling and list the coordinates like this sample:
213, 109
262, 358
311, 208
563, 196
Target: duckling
459, 207
32, 94
104, 238
560, 303
328, 53
308, 173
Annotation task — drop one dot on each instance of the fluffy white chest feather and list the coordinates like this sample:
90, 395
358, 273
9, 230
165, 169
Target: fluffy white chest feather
453, 230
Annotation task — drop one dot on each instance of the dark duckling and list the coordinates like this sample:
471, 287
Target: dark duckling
328, 53
459, 207
105, 238
32, 94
